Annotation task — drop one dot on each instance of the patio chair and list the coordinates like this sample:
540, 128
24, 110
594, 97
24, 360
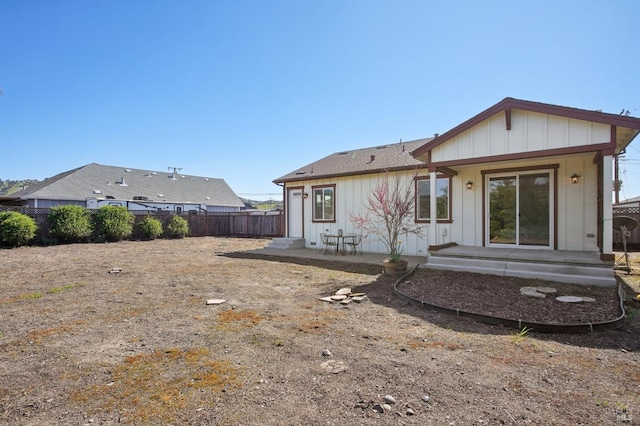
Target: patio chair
329, 242
354, 242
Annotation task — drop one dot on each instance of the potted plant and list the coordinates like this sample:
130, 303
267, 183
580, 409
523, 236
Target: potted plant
388, 215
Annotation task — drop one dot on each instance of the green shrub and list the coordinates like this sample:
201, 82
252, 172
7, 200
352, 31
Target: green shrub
177, 227
113, 223
16, 229
150, 228
70, 224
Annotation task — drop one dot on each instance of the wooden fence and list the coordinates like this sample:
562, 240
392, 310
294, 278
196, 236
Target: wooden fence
237, 224
633, 242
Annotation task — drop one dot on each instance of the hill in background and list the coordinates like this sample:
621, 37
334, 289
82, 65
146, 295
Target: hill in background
8, 187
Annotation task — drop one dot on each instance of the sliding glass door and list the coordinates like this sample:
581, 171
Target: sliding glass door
520, 209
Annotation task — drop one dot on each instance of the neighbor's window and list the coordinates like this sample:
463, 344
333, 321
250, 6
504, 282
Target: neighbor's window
423, 189
324, 207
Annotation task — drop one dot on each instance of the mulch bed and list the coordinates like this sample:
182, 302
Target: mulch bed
501, 297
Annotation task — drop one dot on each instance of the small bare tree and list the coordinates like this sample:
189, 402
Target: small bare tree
389, 213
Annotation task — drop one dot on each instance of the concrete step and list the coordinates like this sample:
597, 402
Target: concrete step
558, 272
286, 243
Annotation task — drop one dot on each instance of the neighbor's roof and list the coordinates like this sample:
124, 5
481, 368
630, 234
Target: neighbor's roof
630, 200
360, 161
98, 181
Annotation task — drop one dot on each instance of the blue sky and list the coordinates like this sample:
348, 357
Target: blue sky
249, 90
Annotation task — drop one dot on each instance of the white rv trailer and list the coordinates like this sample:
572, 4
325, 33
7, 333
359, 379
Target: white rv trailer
139, 204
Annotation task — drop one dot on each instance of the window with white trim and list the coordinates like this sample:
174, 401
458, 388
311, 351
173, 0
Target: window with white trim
423, 198
324, 206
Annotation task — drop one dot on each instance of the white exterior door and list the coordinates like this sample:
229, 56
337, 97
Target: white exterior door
294, 212
520, 209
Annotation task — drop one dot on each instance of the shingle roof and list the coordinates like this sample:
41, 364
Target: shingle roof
96, 181
360, 161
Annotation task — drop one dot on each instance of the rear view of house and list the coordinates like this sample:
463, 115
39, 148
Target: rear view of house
519, 175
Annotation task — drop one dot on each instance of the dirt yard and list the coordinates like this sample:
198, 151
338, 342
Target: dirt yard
103, 334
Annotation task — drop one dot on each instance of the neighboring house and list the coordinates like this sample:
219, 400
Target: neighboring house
520, 174
631, 202
95, 185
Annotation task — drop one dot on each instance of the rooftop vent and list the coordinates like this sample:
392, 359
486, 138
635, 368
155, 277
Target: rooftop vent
300, 173
110, 197
343, 153
381, 147
183, 177
140, 198
122, 182
160, 195
97, 191
206, 179
127, 170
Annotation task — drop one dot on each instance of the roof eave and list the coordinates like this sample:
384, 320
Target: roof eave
357, 173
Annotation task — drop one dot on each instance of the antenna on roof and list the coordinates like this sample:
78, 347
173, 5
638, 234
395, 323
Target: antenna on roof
175, 170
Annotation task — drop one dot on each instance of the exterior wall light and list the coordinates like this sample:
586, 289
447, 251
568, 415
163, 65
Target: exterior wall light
575, 178
305, 195
469, 185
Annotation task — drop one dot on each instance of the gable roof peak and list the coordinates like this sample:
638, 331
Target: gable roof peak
507, 104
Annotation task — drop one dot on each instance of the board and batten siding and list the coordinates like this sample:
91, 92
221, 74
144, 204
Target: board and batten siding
530, 132
576, 222
351, 194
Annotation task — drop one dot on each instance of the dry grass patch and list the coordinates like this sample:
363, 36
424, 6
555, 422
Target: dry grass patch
233, 320
155, 388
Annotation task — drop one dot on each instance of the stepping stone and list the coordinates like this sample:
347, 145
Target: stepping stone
588, 299
569, 299
327, 299
334, 367
357, 294
532, 294
338, 297
546, 290
215, 301
358, 299
343, 291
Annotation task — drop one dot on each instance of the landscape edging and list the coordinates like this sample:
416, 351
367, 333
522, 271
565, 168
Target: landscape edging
519, 324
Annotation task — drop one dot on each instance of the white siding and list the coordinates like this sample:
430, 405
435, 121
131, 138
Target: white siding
576, 203
351, 194
576, 206
529, 132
